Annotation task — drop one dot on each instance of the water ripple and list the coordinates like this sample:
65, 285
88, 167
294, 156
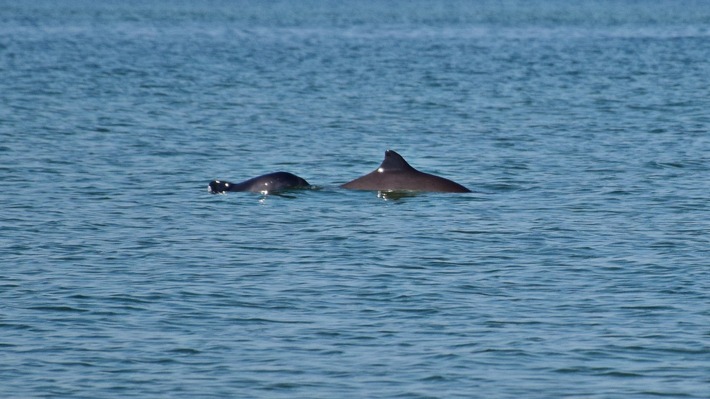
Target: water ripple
578, 268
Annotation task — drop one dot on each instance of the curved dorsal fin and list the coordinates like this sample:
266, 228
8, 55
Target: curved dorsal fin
394, 162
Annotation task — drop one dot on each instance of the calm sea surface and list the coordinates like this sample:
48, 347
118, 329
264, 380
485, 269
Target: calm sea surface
578, 268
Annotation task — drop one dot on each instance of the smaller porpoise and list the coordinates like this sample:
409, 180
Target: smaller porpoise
268, 183
396, 174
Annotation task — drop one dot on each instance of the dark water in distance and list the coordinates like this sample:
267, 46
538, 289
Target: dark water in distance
579, 268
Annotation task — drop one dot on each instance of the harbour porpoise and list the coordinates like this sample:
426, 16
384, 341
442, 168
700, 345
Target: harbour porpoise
268, 183
396, 174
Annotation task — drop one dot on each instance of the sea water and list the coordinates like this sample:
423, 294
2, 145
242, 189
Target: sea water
578, 268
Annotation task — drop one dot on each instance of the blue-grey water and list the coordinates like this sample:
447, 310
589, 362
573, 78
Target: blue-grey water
578, 268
